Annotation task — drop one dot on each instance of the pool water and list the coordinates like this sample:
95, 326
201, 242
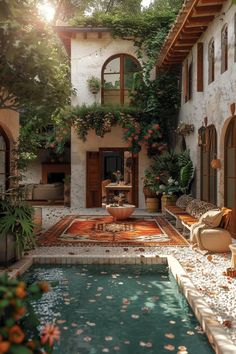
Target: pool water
126, 309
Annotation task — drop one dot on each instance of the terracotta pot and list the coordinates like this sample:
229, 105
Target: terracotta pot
167, 200
153, 205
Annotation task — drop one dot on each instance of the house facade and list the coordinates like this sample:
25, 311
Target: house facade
203, 43
9, 133
95, 53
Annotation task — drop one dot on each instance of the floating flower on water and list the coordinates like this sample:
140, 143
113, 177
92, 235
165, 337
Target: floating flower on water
146, 309
172, 322
116, 348
126, 301
127, 342
182, 348
190, 333
92, 300
91, 324
135, 317
65, 328
148, 345
109, 297
169, 347
100, 288
142, 344
108, 338
79, 331
105, 350
74, 324
170, 335
49, 334
87, 339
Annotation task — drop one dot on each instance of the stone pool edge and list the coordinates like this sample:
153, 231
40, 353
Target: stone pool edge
215, 332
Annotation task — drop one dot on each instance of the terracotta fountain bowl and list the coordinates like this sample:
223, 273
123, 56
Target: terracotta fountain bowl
121, 212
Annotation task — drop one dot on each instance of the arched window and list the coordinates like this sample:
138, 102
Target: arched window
230, 171
118, 78
4, 160
211, 61
208, 174
224, 49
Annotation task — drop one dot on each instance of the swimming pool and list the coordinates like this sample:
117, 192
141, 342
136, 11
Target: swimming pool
127, 309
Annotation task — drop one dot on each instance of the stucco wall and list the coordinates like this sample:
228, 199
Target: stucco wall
87, 58
9, 121
78, 163
214, 103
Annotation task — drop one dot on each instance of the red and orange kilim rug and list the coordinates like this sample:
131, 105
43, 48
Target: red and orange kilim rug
103, 231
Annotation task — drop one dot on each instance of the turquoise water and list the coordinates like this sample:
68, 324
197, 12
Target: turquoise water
117, 309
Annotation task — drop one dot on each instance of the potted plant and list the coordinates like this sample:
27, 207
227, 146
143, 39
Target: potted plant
94, 84
16, 230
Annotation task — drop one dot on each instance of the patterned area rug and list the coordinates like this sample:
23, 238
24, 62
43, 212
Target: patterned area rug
103, 231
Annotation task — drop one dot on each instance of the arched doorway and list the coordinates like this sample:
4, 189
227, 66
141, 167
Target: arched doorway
230, 172
4, 160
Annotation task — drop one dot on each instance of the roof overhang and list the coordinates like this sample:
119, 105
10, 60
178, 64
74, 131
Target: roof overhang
66, 33
191, 22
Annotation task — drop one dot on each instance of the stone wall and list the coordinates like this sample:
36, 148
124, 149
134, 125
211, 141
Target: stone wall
214, 102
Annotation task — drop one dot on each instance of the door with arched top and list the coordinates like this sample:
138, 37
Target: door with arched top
230, 172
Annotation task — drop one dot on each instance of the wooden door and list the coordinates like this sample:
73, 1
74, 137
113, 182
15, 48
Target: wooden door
230, 172
93, 183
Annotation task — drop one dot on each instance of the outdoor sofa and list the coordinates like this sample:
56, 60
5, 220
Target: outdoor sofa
207, 224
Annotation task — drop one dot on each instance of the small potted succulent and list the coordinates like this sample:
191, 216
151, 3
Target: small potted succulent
94, 84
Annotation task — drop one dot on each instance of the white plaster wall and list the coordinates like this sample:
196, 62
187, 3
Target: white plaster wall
214, 103
78, 163
87, 58
33, 174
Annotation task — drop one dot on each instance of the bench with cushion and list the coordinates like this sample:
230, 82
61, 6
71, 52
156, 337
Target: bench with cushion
206, 223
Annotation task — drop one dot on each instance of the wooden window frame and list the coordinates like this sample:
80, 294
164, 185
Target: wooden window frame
210, 148
224, 49
211, 61
200, 67
122, 74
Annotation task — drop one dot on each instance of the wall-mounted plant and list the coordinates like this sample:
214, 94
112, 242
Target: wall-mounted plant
94, 84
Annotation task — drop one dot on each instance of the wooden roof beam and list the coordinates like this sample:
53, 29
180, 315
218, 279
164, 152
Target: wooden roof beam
206, 10
186, 41
211, 2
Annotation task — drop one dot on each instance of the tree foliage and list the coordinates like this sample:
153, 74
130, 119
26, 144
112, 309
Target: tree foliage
32, 67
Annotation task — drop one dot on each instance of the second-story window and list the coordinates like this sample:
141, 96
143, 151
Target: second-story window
211, 61
118, 77
224, 49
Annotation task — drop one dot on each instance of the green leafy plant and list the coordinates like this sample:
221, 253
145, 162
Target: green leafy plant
171, 173
94, 84
19, 326
17, 218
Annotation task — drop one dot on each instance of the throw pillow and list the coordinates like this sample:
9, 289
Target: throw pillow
212, 218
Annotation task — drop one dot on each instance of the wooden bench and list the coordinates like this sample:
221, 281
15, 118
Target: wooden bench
212, 239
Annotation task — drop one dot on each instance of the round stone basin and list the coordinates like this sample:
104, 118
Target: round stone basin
121, 212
